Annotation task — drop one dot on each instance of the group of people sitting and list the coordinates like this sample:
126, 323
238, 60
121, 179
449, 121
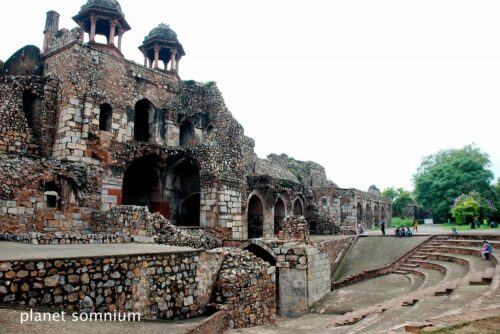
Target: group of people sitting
402, 232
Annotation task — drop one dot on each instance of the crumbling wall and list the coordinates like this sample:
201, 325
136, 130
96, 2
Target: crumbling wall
246, 287
295, 228
340, 205
137, 221
26, 183
27, 128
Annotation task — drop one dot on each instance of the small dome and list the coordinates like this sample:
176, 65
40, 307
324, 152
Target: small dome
374, 190
108, 4
163, 31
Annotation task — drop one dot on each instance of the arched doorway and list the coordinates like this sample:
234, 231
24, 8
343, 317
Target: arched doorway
186, 134
255, 218
31, 103
142, 183
267, 255
297, 208
359, 213
144, 116
182, 191
382, 212
368, 217
376, 215
279, 215
171, 188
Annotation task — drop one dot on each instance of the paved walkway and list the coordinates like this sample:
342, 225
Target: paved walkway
437, 229
10, 323
19, 251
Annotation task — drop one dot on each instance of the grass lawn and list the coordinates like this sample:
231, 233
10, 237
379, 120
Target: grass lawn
464, 227
398, 221
484, 326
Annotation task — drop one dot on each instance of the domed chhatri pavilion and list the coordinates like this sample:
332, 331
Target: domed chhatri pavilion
102, 17
161, 44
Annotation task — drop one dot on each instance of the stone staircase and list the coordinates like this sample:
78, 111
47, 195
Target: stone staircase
449, 278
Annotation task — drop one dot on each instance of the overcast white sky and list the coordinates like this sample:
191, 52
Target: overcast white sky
365, 88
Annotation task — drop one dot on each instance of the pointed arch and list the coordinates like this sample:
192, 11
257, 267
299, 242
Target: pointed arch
279, 215
298, 207
255, 217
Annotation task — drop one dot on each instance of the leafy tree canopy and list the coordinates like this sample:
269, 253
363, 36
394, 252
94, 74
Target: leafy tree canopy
400, 199
465, 209
444, 176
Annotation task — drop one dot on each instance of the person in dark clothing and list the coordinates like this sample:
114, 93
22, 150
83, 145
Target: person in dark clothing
382, 226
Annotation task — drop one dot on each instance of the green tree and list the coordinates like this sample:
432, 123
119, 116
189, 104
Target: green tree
400, 199
465, 210
390, 193
444, 176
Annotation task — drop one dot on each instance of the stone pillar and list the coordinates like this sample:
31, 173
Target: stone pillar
157, 55
93, 22
82, 31
120, 34
173, 66
112, 28
177, 65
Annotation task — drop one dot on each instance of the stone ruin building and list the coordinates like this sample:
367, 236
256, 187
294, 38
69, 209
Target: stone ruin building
96, 148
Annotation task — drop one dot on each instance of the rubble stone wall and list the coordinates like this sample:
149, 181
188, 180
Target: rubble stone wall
25, 184
17, 135
159, 286
246, 285
137, 221
295, 228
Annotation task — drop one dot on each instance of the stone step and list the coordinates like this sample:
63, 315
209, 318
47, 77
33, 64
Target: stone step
477, 279
408, 264
444, 291
488, 275
409, 302
416, 328
401, 272
418, 257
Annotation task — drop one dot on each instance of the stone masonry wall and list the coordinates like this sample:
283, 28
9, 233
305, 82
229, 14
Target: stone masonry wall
159, 286
295, 228
303, 273
16, 134
246, 285
24, 185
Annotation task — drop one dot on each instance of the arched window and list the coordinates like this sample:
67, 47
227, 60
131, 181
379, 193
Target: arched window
144, 117
297, 208
105, 117
359, 213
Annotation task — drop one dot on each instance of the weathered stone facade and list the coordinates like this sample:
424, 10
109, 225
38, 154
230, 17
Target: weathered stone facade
350, 207
95, 148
